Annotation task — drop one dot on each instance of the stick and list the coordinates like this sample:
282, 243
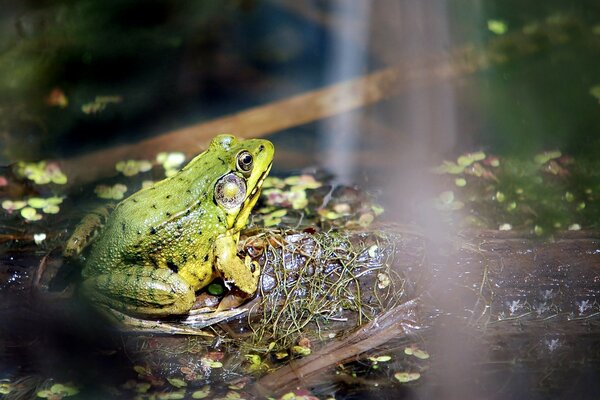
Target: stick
311, 370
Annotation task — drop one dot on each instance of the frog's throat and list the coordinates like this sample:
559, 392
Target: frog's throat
241, 218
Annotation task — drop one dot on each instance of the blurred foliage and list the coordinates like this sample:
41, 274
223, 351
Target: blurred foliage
61, 61
542, 194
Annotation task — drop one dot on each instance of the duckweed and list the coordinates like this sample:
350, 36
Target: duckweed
114, 192
170, 161
40, 172
405, 377
133, 167
58, 391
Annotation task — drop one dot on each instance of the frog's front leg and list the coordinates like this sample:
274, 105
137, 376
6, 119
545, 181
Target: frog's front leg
232, 268
145, 291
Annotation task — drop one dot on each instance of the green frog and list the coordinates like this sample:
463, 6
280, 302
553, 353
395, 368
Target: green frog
162, 244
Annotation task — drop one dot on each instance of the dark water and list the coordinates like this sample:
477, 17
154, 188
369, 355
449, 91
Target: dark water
167, 65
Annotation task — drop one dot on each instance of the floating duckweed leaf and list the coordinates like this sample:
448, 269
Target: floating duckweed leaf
569, 196
6, 387
497, 26
274, 218
298, 199
100, 103
58, 391
170, 162
383, 281
380, 359
171, 395
546, 156
11, 206
51, 209
115, 192
273, 182
467, 159
420, 354
460, 182
342, 208
416, 352
404, 377
505, 227
141, 370
54, 200
301, 350
37, 202
500, 197
595, 90
41, 172
278, 213
202, 393
211, 363
328, 214
30, 214
448, 167
511, 206
281, 355
365, 219
377, 209
177, 382
575, 227
580, 206
493, 161
133, 167
38, 238
142, 387
538, 230
302, 181
299, 395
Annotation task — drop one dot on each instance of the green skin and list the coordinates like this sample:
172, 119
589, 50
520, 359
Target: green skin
165, 242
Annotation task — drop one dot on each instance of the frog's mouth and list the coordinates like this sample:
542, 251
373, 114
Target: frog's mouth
253, 197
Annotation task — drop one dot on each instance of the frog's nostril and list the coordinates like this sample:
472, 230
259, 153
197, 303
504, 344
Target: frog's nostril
261, 147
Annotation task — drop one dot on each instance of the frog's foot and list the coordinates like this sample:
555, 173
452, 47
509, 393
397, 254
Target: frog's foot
147, 292
203, 317
131, 324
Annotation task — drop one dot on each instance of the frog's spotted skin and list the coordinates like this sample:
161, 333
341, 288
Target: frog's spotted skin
165, 242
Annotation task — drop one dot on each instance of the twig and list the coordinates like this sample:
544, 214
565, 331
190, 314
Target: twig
311, 370
316, 104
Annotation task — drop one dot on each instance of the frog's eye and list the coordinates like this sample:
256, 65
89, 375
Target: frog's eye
244, 161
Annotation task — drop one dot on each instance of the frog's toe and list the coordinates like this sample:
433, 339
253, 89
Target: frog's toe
204, 317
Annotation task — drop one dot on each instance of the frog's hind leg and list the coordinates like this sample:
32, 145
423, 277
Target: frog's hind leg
142, 291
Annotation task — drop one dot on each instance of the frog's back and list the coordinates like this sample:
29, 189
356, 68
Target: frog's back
141, 224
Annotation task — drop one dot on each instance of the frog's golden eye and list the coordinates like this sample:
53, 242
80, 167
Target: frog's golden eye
244, 161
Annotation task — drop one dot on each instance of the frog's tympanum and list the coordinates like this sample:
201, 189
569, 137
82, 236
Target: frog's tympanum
165, 242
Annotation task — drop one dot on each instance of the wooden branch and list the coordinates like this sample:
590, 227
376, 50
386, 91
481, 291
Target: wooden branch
308, 107
311, 370
254, 122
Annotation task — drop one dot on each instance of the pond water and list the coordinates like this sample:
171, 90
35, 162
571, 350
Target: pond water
372, 94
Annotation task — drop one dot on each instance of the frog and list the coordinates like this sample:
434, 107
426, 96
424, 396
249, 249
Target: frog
164, 243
